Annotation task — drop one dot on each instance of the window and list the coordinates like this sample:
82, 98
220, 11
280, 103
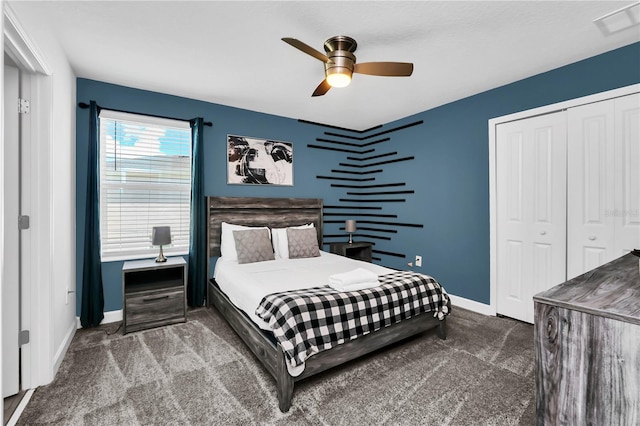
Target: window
145, 181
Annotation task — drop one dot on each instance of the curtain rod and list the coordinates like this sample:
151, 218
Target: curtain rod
85, 106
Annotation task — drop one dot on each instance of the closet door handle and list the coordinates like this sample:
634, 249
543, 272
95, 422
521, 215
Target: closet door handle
592, 238
543, 232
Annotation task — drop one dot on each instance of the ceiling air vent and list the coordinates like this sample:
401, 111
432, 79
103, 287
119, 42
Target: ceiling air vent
619, 20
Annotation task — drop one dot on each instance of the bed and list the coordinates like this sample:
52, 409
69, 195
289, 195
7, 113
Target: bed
274, 354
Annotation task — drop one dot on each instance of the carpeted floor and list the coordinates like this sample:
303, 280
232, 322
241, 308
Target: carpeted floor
200, 373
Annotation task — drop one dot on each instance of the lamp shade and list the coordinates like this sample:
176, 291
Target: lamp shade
350, 225
161, 235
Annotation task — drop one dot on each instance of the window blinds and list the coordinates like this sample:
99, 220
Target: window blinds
145, 181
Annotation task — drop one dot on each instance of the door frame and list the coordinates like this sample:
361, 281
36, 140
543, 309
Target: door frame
493, 209
11, 242
36, 242
2, 194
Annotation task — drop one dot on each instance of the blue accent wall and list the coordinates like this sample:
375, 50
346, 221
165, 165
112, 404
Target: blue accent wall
452, 167
450, 174
226, 120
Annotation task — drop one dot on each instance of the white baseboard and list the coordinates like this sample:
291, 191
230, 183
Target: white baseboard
472, 305
62, 350
112, 316
109, 317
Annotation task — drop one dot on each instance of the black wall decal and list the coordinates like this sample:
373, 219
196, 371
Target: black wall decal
378, 163
373, 157
328, 148
411, 225
375, 237
382, 192
339, 142
384, 185
376, 214
353, 172
344, 178
389, 253
358, 214
353, 207
380, 200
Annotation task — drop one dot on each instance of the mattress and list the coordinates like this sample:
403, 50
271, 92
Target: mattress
247, 284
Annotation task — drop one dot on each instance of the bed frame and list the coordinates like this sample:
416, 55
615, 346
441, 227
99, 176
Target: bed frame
280, 213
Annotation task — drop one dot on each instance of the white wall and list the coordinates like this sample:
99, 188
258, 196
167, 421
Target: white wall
1, 185
52, 195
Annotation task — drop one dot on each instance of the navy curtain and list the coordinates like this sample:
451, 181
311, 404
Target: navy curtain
92, 309
197, 279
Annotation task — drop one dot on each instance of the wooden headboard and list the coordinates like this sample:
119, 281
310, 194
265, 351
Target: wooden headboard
251, 211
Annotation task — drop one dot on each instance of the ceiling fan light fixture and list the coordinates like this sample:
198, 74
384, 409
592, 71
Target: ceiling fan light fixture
339, 69
340, 63
339, 78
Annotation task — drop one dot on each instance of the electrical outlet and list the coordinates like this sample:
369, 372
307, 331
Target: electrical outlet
419, 261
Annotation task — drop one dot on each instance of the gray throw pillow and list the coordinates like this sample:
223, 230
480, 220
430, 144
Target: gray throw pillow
253, 245
302, 243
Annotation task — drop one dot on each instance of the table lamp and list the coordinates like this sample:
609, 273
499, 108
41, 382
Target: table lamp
350, 227
161, 235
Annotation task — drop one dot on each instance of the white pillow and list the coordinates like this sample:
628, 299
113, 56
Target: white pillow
280, 241
228, 243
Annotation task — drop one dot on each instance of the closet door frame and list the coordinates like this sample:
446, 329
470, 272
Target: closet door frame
493, 210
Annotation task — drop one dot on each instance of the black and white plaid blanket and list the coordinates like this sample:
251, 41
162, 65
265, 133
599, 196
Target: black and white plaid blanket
308, 321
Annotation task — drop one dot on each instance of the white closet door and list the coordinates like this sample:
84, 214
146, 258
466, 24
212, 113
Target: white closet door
531, 211
590, 182
627, 174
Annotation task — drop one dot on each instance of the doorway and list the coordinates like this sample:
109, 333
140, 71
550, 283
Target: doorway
32, 308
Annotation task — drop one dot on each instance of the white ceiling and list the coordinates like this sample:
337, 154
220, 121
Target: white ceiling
231, 53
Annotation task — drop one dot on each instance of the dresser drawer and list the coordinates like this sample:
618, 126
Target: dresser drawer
152, 306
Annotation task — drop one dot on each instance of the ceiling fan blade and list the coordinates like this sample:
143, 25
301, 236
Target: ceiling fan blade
322, 88
306, 48
387, 69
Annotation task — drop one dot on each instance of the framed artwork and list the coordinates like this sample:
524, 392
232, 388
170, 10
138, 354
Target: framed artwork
253, 161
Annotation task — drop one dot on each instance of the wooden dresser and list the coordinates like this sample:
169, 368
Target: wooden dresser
587, 348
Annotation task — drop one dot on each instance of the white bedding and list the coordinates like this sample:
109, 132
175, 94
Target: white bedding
246, 284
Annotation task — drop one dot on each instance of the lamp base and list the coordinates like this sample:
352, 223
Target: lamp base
350, 239
161, 258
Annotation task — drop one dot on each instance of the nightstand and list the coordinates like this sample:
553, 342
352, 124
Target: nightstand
154, 294
358, 251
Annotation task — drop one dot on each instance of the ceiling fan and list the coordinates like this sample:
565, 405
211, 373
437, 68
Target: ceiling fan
340, 63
